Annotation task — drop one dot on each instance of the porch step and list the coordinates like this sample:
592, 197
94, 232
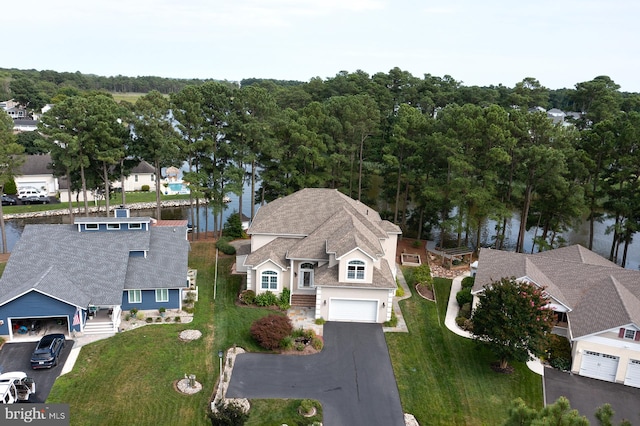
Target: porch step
303, 300
94, 327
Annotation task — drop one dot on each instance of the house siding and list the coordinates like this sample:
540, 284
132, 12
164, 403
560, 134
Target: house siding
356, 255
35, 304
284, 278
149, 300
625, 349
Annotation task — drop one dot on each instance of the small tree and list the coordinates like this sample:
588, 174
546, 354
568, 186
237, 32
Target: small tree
512, 320
230, 414
270, 330
233, 226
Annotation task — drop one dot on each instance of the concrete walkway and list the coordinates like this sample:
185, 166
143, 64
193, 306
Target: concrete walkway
450, 321
402, 325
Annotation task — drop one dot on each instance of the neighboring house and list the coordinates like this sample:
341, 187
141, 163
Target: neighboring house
597, 304
64, 273
142, 174
335, 254
14, 109
35, 173
24, 125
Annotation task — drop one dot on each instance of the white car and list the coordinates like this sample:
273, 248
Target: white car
16, 386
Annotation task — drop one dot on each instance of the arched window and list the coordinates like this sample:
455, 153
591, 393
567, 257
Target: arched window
305, 275
355, 270
269, 280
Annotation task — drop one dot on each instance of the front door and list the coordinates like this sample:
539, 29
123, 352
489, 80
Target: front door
306, 276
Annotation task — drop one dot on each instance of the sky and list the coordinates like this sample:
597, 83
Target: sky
477, 42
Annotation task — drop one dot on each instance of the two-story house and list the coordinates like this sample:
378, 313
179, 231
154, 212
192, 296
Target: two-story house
335, 254
63, 275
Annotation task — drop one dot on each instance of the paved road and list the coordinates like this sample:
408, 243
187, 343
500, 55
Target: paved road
17, 356
586, 395
352, 377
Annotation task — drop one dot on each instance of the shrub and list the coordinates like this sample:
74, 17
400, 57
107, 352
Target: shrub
167, 319
422, 275
320, 321
270, 330
133, 312
223, 245
460, 321
308, 334
189, 309
559, 351
283, 300
145, 188
162, 309
286, 343
562, 364
306, 406
393, 322
467, 282
177, 319
266, 299
416, 244
317, 343
158, 319
465, 310
10, 188
127, 317
399, 292
149, 319
464, 296
299, 346
230, 414
248, 297
140, 316
233, 226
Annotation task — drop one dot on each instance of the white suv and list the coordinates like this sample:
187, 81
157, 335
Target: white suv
32, 195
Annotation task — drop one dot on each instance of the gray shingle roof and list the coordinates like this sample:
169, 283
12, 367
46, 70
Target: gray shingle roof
600, 294
36, 165
325, 276
71, 266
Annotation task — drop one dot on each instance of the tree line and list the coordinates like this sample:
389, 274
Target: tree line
425, 151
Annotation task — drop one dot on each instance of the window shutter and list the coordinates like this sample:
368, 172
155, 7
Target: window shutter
621, 332
637, 337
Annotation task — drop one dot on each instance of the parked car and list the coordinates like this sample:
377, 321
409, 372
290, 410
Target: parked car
15, 386
47, 351
35, 199
8, 201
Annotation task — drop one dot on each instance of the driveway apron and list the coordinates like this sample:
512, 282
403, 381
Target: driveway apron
352, 377
586, 395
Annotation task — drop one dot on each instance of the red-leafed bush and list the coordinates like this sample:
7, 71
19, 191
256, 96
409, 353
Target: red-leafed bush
269, 331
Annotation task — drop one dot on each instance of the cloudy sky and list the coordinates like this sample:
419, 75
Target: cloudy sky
559, 42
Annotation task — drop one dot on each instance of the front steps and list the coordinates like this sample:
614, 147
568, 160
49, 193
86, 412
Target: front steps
98, 327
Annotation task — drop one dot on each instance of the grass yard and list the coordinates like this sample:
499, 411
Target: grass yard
445, 379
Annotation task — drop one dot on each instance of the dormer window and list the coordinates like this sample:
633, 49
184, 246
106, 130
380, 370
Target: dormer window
113, 226
355, 270
91, 226
629, 333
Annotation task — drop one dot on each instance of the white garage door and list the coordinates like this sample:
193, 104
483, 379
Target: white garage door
353, 310
633, 374
599, 366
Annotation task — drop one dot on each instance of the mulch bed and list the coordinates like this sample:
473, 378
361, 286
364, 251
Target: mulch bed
425, 292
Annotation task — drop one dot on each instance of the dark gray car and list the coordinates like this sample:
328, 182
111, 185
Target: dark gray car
47, 351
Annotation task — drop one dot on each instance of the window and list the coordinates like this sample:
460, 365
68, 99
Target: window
135, 226
113, 226
135, 296
162, 295
91, 226
135, 177
269, 280
629, 334
355, 270
153, 178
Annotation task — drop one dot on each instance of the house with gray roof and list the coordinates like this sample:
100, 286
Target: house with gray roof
597, 305
335, 254
66, 274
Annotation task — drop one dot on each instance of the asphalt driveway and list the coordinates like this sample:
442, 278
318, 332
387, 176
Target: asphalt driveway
352, 377
17, 356
586, 395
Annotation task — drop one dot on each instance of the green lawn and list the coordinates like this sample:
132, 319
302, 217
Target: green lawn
128, 379
445, 379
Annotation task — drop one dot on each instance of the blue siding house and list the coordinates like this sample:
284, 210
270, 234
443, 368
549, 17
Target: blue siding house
69, 276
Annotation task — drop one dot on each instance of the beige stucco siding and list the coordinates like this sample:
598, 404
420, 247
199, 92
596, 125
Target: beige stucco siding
283, 277
356, 255
624, 349
389, 245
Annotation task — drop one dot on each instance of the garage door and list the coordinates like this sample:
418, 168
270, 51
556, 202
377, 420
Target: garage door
599, 366
353, 310
633, 374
